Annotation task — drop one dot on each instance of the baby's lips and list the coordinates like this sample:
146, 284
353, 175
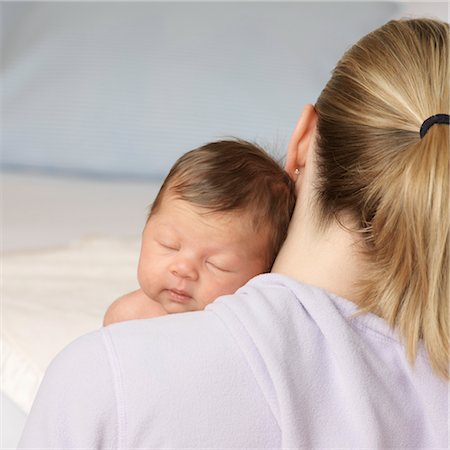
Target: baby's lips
179, 296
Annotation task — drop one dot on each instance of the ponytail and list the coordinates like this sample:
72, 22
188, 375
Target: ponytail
408, 251
374, 165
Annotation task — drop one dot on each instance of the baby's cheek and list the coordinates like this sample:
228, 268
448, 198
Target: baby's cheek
140, 274
211, 292
145, 276
228, 286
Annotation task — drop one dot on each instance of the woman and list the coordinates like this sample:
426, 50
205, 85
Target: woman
346, 343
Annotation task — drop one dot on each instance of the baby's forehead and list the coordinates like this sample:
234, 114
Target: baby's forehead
255, 230
246, 220
249, 216
183, 217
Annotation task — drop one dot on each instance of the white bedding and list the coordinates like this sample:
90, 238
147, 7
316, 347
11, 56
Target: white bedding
70, 247
50, 297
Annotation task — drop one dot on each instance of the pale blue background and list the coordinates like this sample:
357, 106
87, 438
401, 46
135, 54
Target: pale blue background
123, 89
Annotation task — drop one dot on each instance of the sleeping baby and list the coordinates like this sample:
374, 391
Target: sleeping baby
218, 220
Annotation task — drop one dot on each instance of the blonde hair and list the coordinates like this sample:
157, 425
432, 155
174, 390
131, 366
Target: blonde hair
395, 185
235, 176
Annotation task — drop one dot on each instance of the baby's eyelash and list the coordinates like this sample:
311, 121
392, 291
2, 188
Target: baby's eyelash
217, 267
168, 246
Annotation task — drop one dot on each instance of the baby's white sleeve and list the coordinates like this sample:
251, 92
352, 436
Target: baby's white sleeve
75, 406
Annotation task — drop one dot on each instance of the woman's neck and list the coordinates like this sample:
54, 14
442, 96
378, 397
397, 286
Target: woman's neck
328, 259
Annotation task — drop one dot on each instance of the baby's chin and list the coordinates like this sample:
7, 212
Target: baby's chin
174, 308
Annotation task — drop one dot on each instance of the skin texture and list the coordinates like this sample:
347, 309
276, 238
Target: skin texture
189, 257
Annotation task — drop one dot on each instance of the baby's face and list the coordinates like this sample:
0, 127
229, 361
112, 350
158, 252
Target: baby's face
189, 258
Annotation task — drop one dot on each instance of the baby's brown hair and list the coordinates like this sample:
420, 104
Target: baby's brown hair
235, 176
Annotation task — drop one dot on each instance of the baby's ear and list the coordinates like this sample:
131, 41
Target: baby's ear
301, 141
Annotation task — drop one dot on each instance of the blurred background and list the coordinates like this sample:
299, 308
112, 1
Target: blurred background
98, 100
122, 89
117, 91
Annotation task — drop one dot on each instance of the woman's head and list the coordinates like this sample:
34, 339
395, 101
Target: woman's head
373, 167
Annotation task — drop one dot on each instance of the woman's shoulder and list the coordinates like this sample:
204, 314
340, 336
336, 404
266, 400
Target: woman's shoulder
77, 389
286, 300
281, 298
188, 363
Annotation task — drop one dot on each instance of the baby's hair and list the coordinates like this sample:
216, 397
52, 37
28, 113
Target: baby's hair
235, 176
375, 168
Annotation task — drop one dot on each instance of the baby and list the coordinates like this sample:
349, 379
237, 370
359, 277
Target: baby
218, 220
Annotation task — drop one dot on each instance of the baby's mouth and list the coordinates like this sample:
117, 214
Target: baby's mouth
179, 296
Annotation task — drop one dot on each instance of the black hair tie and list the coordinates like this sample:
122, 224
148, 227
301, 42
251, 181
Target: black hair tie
432, 120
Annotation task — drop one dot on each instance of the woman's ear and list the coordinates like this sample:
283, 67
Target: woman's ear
301, 141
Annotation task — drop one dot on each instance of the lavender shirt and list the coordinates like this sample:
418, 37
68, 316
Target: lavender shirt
277, 365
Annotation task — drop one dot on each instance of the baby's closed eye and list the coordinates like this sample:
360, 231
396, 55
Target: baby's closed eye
169, 245
219, 266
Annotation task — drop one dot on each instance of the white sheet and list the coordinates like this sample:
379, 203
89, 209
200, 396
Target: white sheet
51, 297
70, 247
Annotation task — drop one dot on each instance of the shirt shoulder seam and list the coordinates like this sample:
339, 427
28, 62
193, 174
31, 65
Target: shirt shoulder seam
117, 376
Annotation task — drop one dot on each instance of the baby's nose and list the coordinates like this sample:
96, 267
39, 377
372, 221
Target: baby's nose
184, 268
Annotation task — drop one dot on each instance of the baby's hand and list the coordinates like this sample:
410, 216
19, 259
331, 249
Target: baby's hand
135, 305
